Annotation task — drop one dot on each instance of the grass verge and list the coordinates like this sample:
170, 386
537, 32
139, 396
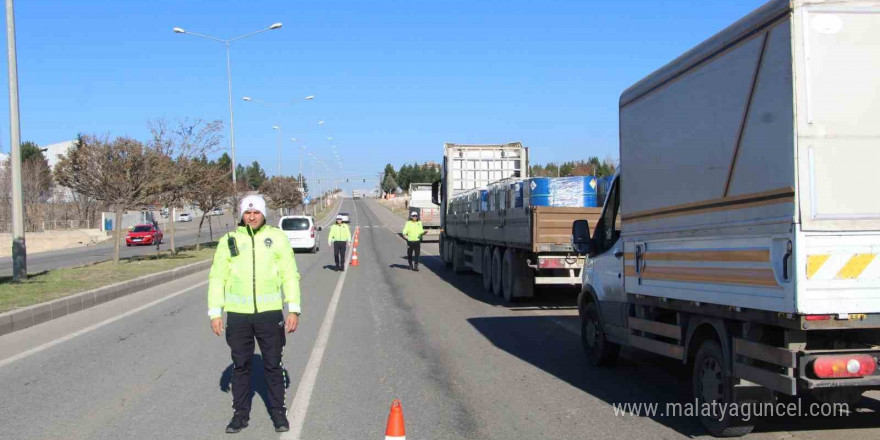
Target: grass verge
58, 283
397, 206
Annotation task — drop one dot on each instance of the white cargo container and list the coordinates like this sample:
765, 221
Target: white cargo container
421, 203
742, 233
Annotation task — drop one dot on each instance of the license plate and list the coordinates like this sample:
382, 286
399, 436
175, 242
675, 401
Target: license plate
136, 239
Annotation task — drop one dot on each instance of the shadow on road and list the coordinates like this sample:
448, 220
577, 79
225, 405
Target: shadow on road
471, 284
330, 267
399, 266
638, 376
258, 380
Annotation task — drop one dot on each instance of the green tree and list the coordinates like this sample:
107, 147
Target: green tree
255, 175
389, 184
225, 163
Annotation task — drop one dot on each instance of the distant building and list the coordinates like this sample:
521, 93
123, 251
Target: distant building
54, 152
431, 164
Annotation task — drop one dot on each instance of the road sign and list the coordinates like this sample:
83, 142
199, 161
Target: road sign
306, 201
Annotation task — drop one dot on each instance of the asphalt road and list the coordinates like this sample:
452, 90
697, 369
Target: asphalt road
185, 234
464, 365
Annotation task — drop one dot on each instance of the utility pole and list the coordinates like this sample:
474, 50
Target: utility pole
19, 250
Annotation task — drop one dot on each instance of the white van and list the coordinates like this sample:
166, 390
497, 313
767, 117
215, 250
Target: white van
301, 232
741, 235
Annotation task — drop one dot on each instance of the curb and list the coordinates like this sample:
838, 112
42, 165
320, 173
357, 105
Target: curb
20, 319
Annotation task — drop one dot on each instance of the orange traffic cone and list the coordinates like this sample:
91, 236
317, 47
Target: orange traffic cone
394, 430
354, 257
356, 241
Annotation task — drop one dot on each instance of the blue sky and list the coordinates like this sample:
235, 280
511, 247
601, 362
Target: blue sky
393, 79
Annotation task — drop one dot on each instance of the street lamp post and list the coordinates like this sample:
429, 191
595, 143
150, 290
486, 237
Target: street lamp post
275, 127
229, 81
19, 250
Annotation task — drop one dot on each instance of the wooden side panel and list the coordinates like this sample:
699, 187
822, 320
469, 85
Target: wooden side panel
552, 225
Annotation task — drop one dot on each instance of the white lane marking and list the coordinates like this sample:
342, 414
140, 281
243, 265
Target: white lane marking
51, 344
300, 405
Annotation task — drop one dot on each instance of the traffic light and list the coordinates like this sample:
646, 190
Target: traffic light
346, 180
365, 180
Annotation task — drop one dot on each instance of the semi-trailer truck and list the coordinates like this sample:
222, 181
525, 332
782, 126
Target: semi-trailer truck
741, 233
513, 247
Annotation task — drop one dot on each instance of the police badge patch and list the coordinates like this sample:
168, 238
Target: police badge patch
268, 242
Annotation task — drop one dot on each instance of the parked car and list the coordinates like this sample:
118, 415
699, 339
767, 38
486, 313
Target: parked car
185, 217
216, 211
144, 234
345, 218
301, 232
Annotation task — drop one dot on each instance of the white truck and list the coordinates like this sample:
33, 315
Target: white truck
513, 247
420, 202
741, 234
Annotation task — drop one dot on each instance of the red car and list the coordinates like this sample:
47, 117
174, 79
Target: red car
143, 234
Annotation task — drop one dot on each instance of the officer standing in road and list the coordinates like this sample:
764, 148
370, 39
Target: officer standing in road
413, 232
339, 238
253, 265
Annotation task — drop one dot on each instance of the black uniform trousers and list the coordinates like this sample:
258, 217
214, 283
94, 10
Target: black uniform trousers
413, 247
268, 329
339, 253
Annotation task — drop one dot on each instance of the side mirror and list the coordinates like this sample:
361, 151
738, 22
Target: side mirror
580, 236
320, 228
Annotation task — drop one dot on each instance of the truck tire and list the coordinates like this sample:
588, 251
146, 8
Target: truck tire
600, 352
508, 273
712, 383
487, 268
445, 253
496, 271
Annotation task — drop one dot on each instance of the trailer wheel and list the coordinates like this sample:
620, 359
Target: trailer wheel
444, 251
487, 268
507, 275
711, 384
600, 352
496, 271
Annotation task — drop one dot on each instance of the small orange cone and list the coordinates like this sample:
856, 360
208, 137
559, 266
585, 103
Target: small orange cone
354, 257
394, 430
356, 241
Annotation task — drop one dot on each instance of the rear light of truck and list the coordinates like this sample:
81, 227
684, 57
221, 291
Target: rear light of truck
557, 263
818, 317
551, 263
313, 232
856, 365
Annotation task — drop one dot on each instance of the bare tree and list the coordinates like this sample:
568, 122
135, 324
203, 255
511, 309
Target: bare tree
179, 144
121, 172
283, 192
210, 188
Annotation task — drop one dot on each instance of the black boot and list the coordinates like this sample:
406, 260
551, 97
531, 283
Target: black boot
239, 421
416, 267
279, 419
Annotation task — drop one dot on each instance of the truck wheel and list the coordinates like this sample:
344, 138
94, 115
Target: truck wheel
487, 268
496, 271
600, 352
507, 275
445, 251
711, 384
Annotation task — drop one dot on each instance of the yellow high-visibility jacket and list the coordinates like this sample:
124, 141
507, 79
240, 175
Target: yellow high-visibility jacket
254, 280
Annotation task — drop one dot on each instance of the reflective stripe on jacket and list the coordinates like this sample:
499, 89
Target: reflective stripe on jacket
413, 230
254, 280
338, 233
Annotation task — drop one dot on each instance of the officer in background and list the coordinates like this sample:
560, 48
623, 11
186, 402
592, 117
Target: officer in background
338, 238
413, 232
253, 265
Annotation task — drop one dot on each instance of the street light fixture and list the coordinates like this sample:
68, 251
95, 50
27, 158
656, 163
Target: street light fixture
275, 127
226, 42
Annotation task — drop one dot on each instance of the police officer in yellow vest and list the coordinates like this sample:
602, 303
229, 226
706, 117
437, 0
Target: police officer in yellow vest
253, 267
338, 238
413, 232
